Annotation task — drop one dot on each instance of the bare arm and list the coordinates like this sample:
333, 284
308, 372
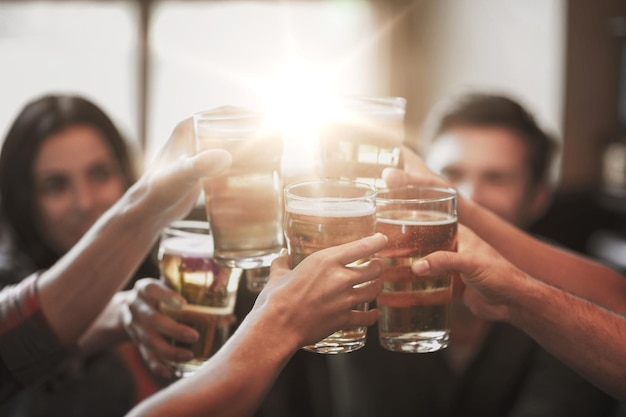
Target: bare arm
552, 265
107, 330
76, 289
296, 308
588, 338
569, 271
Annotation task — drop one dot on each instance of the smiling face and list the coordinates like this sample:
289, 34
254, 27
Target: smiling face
489, 165
76, 179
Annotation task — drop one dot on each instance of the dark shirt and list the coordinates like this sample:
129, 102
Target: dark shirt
40, 379
29, 350
510, 376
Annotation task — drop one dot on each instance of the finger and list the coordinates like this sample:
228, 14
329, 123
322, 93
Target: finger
367, 292
167, 327
366, 272
180, 142
147, 320
159, 346
167, 351
210, 162
410, 160
353, 251
395, 178
441, 262
362, 318
156, 365
156, 292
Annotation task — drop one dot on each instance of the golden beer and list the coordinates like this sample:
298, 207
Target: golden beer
363, 140
187, 266
315, 223
244, 204
415, 310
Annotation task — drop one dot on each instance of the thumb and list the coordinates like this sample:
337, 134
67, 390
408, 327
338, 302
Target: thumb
211, 162
186, 171
438, 263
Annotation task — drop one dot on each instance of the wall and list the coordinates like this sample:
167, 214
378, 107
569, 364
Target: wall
515, 47
591, 95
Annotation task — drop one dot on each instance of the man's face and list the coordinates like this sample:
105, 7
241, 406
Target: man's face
488, 165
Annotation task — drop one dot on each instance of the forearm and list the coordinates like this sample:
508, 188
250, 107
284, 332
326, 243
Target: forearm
108, 328
548, 263
76, 289
235, 380
588, 338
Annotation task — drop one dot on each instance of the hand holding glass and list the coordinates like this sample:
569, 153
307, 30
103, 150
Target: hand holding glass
244, 204
321, 214
187, 266
415, 311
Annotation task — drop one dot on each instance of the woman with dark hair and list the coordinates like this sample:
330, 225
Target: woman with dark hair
64, 163
38, 121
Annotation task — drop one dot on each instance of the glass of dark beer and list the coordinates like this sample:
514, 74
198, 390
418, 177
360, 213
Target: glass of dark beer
415, 310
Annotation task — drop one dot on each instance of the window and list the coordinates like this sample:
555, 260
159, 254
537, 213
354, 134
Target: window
84, 48
210, 54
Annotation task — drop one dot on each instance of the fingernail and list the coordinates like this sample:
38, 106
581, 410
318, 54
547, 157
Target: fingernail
175, 303
190, 336
184, 356
420, 267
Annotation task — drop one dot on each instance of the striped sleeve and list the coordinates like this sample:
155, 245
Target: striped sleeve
29, 350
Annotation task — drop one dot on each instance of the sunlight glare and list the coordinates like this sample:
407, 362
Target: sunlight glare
298, 99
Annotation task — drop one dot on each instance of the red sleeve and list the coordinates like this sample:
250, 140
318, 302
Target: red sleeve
29, 350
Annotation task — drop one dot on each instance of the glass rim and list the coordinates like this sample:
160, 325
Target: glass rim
237, 114
398, 100
448, 193
358, 184
188, 224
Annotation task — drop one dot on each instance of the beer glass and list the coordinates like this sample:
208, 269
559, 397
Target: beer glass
244, 204
324, 213
415, 310
257, 278
363, 138
187, 266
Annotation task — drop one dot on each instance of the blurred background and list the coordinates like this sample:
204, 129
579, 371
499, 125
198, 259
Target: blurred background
151, 63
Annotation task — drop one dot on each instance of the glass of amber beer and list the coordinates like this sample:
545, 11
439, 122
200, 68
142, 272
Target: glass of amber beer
363, 137
244, 204
415, 310
324, 213
187, 266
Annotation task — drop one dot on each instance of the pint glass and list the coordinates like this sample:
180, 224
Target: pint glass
415, 310
244, 204
363, 138
324, 213
187, 266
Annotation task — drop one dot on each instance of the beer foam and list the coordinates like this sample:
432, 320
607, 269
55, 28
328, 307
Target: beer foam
426, 218
336, 208
196, 247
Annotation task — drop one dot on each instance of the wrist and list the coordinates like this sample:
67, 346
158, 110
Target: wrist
527, 297
270, 329
108, 328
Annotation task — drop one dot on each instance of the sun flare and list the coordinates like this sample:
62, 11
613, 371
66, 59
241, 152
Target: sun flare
299, 97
